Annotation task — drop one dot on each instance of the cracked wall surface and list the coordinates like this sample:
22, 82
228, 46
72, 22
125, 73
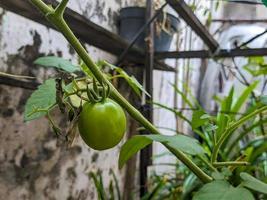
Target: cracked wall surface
34, 163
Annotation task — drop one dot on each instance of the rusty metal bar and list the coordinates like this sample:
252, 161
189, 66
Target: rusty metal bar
239, 21
224, 53
252, 39
146, 154
30, 85
190, 18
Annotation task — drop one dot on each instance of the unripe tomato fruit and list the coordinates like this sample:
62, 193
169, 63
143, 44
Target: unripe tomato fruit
102, 125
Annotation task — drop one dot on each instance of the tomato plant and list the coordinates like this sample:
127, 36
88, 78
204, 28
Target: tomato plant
214, 162
102, 125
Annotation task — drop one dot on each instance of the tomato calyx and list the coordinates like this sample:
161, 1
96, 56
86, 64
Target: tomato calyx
95, 95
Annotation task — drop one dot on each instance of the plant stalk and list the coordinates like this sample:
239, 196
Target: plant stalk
230, 163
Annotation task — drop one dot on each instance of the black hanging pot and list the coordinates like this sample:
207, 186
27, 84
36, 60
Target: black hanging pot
133, 18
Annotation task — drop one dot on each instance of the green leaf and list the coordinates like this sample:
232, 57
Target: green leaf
69, 88
56, 62
184, 97
258, 151
224, 174
198, 120
243, 97
253, 183
259, 60
256, 66
222, 118
41, 99
222, 190
210, 127
97, 178
134, 84
178, 142
155, 191
116, 184
217, 175
205, 116
111, 191
86, 70
190, 182
131, 147
132, 81
263, 99
103, 63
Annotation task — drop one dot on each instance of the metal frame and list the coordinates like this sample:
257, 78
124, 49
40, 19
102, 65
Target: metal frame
146, 153
224, 53
85, 30
97, 36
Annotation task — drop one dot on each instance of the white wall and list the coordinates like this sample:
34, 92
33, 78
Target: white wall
164, 92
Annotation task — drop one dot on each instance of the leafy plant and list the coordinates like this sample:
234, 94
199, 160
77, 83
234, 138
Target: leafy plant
221, 136
112, 192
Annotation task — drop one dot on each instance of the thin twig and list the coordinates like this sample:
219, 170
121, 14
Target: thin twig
16, 76
252, 39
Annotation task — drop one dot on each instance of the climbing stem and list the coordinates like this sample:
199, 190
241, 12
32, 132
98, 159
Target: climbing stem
62, 26
230, 163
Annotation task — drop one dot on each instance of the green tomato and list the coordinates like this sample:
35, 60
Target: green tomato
102, 125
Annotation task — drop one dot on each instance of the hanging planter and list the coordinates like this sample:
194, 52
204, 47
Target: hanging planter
133, 18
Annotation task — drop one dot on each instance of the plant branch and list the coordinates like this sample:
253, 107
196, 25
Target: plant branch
62, 26
45, 9
59, 11
230, 163
16, 76
207, 163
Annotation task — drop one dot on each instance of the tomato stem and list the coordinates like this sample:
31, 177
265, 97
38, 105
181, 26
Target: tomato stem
62, 26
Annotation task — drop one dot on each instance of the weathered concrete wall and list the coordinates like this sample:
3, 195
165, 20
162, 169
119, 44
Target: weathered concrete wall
34, 163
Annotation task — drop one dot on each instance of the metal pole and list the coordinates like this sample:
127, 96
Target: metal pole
146, 154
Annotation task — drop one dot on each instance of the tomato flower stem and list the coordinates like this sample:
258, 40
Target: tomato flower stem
62, 26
